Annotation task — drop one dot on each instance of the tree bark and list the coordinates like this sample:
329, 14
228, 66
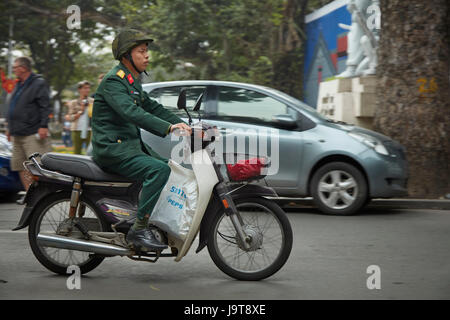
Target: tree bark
413, 93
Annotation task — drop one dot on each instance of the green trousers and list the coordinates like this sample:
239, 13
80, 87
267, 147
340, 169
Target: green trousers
152, 172
78, 141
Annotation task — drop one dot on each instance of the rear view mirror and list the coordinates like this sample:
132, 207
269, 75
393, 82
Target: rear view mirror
181, 103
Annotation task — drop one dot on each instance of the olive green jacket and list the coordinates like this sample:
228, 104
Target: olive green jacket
121, 108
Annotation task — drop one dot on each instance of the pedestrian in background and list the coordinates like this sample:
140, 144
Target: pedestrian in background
80, 112
29, 109
66, 130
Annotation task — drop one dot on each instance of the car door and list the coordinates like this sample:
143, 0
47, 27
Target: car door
245, 118
171, 145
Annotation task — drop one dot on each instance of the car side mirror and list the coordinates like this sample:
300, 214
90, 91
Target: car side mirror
285, 120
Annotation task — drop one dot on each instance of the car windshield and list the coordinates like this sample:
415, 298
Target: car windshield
298, 103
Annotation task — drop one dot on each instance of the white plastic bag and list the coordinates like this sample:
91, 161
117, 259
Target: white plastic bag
176, 205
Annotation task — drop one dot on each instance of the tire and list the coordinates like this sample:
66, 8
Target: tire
61, 200
339, 188
248, 208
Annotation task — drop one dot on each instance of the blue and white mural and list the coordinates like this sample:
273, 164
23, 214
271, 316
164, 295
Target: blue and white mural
326, 46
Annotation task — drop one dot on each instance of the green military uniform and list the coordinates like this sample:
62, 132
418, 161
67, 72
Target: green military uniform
121, 108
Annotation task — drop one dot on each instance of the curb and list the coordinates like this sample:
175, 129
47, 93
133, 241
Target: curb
434, 204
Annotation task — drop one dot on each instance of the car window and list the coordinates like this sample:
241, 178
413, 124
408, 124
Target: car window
168, 97
298, 103
248, 106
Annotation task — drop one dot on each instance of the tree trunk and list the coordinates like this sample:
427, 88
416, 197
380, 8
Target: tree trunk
413, 93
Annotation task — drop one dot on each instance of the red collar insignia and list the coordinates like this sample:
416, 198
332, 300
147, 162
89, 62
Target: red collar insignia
130, 78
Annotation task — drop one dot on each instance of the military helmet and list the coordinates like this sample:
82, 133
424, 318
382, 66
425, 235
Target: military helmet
126, 40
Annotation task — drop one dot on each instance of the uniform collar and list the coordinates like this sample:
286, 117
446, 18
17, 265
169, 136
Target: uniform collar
127, 73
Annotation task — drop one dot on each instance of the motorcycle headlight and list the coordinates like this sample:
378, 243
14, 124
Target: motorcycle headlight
370, 141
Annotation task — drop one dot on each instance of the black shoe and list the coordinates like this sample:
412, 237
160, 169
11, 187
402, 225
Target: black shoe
144, 239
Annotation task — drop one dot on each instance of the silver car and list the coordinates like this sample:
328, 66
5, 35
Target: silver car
340, 166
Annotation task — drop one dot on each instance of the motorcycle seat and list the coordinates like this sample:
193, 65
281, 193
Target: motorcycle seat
79, 166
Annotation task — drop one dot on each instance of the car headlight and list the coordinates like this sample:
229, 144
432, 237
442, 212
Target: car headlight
370, 141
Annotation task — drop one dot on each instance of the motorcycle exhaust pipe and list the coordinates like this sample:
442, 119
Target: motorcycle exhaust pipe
60, 242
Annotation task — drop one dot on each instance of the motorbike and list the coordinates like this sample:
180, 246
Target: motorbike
78, 214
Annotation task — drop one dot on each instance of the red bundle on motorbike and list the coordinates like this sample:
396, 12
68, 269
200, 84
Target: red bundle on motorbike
246, 169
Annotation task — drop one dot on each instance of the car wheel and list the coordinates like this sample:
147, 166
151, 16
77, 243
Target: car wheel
339, 188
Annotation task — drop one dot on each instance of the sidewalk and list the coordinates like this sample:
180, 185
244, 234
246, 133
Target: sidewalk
395, 203
437, 204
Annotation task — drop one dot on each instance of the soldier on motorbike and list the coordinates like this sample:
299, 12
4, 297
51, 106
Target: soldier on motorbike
121, 109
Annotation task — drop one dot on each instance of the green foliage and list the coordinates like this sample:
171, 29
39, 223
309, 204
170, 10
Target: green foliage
230, 40
257, 41
57, 51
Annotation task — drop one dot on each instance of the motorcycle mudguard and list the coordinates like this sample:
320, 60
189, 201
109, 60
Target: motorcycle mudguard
252, 190
215, 207
34, 195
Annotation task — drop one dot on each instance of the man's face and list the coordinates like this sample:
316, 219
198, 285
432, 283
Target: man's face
84, 90
18, 69
140, 56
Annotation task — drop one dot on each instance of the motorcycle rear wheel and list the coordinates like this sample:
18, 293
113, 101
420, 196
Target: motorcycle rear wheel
271, 243
47, 216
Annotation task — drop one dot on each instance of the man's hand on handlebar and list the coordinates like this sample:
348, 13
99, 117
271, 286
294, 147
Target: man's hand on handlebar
181, 129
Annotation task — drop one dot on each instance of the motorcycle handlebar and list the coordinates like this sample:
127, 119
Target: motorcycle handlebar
201, 126
200, 131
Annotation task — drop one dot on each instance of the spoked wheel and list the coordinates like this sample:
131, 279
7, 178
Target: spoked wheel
48, 218
270, 232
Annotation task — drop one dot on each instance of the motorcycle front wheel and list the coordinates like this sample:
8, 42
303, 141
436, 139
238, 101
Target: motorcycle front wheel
270, 232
